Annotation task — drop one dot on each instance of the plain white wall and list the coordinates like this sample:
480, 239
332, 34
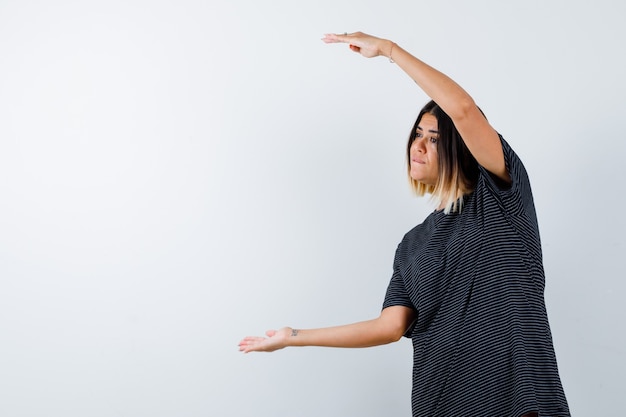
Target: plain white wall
175, 175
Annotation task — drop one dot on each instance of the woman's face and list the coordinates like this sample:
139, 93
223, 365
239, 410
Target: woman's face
423, 151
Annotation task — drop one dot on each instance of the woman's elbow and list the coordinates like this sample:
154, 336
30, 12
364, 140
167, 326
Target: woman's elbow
394, 322
398, 334
464, 108
393, 334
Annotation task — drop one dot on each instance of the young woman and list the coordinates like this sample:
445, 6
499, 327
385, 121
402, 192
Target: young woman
467, 285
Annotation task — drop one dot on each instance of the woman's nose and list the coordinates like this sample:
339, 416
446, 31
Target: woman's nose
418, 145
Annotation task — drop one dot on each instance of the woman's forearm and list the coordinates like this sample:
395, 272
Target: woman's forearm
357, 335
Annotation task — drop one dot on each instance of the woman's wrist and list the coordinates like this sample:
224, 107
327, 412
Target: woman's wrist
291, 335
391, 52
387, 48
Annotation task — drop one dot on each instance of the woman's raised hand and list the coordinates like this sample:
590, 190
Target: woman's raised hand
366, 45
276, 339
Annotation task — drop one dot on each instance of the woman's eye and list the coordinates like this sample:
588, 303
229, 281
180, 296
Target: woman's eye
434, 140
418, 135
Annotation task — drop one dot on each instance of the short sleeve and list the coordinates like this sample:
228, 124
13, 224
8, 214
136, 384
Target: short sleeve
396, 291
516, 197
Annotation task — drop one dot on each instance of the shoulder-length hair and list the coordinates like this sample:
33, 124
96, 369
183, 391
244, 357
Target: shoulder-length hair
458, 169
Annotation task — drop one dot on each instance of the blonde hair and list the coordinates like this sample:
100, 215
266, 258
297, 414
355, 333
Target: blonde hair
450, 196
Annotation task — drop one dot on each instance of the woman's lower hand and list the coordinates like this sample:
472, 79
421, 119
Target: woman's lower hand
276, 339
366, 45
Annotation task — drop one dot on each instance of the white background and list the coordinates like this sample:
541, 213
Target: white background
175, 175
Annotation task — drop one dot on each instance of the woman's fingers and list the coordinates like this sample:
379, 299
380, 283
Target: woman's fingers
335, 38
258, 343
249, 342
366, 45
343, 37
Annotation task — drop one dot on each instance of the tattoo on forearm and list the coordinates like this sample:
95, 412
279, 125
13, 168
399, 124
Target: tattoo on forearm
294, 332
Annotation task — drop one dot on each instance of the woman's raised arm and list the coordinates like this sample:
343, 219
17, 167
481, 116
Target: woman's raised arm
388, 327
479, 136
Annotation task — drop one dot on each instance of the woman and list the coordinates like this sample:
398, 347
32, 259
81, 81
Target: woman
468, 282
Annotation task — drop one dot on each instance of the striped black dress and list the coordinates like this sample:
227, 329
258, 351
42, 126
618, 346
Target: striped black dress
482, 343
